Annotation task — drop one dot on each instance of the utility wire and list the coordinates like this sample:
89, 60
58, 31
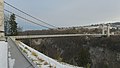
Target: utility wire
29, 15
26, 19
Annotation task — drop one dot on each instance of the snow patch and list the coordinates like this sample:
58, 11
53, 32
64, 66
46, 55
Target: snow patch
11, 61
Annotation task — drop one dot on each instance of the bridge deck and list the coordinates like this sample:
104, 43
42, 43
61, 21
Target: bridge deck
59, 35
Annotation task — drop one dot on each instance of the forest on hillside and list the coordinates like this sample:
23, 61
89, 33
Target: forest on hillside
97, 52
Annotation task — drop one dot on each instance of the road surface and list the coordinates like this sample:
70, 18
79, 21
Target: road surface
16, 58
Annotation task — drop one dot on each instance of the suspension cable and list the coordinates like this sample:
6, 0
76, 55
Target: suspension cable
29, 15
27, 19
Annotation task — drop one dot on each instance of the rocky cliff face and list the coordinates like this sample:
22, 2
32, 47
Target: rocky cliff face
97, 52
104, 58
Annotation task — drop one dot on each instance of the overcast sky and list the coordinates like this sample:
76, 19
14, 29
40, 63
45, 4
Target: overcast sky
65, 13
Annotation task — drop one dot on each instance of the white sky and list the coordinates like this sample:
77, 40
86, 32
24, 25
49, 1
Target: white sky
65, 13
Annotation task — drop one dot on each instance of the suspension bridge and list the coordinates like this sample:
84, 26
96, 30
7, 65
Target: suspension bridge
13, 56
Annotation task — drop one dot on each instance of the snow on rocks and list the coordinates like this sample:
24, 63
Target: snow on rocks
41, 60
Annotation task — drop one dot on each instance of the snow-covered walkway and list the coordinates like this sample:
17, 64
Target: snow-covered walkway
3, 54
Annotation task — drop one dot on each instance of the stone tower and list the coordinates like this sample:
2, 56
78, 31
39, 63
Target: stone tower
1, 19
103, 29
108, 30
